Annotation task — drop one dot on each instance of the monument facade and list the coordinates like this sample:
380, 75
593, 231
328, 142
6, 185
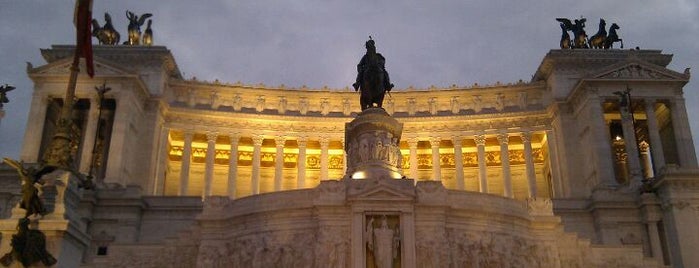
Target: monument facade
559, 171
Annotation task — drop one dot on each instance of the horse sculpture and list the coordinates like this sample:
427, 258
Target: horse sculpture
578, 29
565, 37
612, 37
372, 80
597, 40
135, 24
106, 35
148, 35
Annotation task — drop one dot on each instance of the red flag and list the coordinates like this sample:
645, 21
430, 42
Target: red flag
83, 26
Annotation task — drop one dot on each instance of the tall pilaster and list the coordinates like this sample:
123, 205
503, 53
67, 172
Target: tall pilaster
233, 164
279, 162
529, 163
89, 137
602, 147
35, 128
324, 144
482, 167
459, 162
631, 146
161, 159
559, 190
436, 159
301, 163
210, 157
186, 160
344, 156
256, 159
118, 143
412, 144
656, 145
503, 139
683, 136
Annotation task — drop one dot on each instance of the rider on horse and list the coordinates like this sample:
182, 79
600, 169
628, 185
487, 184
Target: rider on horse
363, 65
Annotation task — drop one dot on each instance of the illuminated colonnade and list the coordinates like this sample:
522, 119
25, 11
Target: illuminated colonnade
508, 164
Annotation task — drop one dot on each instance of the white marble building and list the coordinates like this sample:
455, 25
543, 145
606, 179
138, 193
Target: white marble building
525, 174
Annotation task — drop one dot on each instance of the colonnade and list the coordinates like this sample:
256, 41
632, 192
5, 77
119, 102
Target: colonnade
435, 143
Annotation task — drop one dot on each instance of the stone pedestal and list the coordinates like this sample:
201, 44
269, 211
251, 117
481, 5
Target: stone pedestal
372, 145
66, 233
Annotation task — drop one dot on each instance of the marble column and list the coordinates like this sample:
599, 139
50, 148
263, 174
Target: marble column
301, 163
279, 162
233, 164
683, 136
482, 165
256, 159
90, 135
631, 146
324, 157
436, 159
459, 162
35, 129
529, 163
210, 158
656, 144
186, 160
503, 139
412, 144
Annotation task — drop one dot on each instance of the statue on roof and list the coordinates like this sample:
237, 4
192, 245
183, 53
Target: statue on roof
3, 94
578, 29
106, 35
372, 78
135, 23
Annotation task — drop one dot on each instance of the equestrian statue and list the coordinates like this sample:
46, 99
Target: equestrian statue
372, 78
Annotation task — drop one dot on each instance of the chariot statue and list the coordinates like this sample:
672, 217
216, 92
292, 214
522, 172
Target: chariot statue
372, 78
135, 23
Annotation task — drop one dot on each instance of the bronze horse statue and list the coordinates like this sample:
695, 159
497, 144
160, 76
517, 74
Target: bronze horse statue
612, 37
565, 37
597, 40
578, 29
135, 24
106, 35
372, 79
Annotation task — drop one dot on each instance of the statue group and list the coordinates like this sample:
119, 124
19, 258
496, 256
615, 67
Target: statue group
372, 78
601, 40
108, 35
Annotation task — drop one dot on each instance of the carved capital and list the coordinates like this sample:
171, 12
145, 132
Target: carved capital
457, 140
435, 141
257, 140
412, 142
302, 142
324, 142
188, 135
479, 139
503, 138
211, 136
235, 138
526, 137
279, 141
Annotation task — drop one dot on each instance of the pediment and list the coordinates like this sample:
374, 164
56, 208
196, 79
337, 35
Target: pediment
384, 190
62, 67
636, 70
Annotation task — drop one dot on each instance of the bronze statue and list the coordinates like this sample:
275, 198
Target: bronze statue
106, 35
612, 37
597, 40
565, 37
578, 29
28, 247
3, 94
372, 77
148, 35
30, 194
135, 24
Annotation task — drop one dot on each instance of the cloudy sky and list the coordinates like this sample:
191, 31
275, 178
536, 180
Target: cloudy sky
318, 42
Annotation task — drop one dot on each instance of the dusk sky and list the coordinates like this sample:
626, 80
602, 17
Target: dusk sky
318, 43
